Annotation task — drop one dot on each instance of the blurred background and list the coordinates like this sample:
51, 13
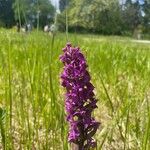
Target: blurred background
107, 17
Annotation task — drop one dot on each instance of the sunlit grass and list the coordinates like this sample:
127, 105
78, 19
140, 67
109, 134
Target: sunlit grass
31, 99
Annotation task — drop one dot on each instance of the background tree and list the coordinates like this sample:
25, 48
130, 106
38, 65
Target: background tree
146, 16
105, 16
97, 16
35, 11
101, 16
6, 13
47, 12
132, 15
63, 4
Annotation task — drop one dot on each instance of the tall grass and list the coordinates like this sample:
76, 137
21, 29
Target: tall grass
33, 101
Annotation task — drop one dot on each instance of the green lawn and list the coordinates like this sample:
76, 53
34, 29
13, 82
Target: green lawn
32, 112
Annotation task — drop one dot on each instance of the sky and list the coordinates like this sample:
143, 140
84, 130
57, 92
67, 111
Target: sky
55, 3
140, 1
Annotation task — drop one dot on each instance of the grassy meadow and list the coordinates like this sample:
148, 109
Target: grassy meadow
32, 115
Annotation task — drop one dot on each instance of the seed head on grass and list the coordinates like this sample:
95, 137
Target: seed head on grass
80, 98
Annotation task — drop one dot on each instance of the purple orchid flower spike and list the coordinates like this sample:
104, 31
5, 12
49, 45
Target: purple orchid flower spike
80, 99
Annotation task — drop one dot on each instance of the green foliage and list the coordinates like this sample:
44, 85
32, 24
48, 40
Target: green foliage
105, 16
32, 10
47, 11
132, 15
6, 13
146, 22
96, 16
63, 4
2, 122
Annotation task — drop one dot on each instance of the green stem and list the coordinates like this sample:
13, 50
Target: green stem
66, 25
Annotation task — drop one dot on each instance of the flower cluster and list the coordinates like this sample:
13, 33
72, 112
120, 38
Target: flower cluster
80, 100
